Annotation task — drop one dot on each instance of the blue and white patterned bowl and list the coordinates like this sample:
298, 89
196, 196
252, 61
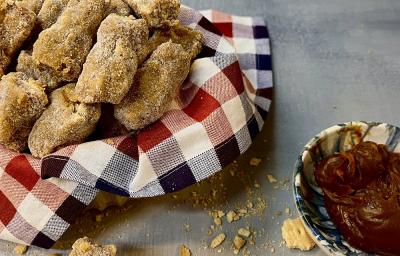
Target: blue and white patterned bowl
309, 196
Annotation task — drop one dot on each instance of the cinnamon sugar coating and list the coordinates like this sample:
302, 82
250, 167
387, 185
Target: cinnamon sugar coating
22, 101
156, 84
65, 45
16, 24
111, 65
157, 13
63, 123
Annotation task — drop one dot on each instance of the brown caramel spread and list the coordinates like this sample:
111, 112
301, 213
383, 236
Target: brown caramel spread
362, 195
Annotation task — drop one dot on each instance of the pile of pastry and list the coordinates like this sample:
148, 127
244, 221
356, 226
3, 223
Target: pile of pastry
75, 70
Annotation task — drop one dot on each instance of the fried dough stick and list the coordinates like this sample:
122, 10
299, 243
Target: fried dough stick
50, 11
63, 123
157, 13
156, 84
65, 45
40, 72
33, 5
22, 101
111, 65
16, 24
117, 6
191, 41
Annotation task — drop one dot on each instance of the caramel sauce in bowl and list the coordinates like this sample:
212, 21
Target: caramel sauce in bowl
345, 210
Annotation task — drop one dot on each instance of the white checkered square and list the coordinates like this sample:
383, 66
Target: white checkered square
66, 185
145, 174
193, 141
37, 218
235, 113
244, 45
202, 70
93, 156
248, 21
251, 74
225, 47
6, 235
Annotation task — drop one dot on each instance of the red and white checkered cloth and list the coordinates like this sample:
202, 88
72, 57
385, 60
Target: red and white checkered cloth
221, 108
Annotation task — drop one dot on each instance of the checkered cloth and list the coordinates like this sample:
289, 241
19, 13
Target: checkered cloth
221, 108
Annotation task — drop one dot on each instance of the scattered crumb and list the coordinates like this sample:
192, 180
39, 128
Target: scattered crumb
20, 249
220, 214
255, 161
238, 243
232, 216
243, 211
250, 205
86, 247
271, 179
287, 211
184, 251
218, 221
295, 235
218, 240
244, 232
272, 250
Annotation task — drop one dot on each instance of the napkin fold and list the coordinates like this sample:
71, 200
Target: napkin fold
221, 108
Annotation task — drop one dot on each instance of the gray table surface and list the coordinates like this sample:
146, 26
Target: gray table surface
333, 61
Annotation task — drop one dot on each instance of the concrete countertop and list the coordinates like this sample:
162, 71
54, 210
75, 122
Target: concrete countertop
334, 61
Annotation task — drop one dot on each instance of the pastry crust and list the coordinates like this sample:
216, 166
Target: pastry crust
87, 247
156, 84
191, 41
47, 76
118, 7
50, 11
63, 123
22, 101
32, 5
157, 13
64, 46
111, 65
16, 24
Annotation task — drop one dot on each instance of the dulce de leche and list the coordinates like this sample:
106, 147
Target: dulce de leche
362, 195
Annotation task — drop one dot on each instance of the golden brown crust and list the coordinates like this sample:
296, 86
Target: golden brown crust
44, 74
157, 13
156, 84
65, 45
16, 24
118, 7
111, 65
50, 11
191, 41
87, 247
22, 101
32, 5
63, 123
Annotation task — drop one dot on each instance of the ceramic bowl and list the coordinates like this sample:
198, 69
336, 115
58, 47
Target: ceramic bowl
309, 196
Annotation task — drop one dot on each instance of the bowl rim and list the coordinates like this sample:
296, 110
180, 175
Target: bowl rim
298, 167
